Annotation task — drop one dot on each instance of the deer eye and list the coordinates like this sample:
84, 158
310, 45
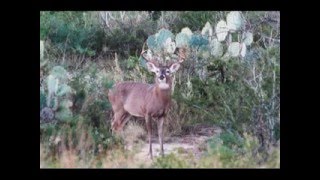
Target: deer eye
167, 71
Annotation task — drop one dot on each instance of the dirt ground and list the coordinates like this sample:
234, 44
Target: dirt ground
185, 144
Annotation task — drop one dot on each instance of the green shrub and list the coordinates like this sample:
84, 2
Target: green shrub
231, 139
170, 161
233, 156
277, 131
132, 62
96, 111
90, 99
195, 20
127, 33
104, 137
72, 32
43, 99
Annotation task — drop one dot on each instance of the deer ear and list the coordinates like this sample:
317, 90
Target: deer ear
151, 67
174, 67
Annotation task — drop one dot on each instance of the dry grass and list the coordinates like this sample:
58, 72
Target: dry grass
42, 161
120, 158
113, 158
132, 134
61, 152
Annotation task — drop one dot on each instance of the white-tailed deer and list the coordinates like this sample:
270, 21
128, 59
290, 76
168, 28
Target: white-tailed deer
150, 101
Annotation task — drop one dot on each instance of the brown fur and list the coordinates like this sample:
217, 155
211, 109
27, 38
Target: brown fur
142, 100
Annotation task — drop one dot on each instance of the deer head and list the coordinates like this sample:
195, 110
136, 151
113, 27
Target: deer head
162, 73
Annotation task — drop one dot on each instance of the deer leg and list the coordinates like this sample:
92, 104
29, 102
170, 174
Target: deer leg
124, 120
118, 116
149, 129
160, 133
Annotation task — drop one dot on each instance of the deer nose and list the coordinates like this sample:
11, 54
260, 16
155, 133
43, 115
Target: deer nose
162, 76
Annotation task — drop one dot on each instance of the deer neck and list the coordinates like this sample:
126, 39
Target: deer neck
162, 92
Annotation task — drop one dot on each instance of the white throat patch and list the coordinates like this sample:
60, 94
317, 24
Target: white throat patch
163, 85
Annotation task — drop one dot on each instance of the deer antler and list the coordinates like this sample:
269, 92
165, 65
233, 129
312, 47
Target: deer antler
152, 60
143, 53
181, 55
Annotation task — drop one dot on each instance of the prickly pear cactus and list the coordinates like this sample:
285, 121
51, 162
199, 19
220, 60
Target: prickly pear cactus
161, 42
183, 38
234, 21
41, 50
213, 42
58, 98
221, 30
